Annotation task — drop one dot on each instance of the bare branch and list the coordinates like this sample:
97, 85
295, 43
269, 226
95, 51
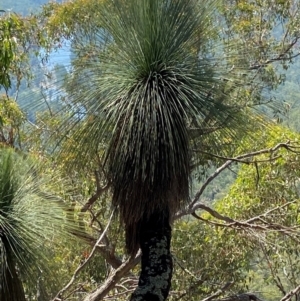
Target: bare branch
190, 208
112, 281
81, 266
213, 213
247, 161
105, 251
260, 225
290, 294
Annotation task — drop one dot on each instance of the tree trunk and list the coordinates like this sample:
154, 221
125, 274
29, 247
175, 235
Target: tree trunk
11, 288
156, 262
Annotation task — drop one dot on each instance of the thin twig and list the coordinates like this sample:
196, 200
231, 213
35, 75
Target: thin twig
98, 193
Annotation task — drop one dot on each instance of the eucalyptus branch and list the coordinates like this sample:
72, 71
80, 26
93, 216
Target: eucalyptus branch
248, 224
232, 223
229, 161
213, 213
247, 161
280, 57
290, 294
267, 213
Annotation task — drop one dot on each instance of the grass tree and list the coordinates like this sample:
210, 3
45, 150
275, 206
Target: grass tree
149, 87
30, 218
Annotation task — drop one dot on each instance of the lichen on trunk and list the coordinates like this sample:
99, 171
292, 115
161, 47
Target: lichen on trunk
156, 262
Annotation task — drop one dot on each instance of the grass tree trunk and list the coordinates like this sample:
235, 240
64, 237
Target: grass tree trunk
156, 263
11, 288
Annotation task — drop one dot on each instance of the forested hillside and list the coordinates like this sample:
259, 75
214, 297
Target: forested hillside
149, 150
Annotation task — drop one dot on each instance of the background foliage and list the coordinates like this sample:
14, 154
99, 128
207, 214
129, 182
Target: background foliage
260, 190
